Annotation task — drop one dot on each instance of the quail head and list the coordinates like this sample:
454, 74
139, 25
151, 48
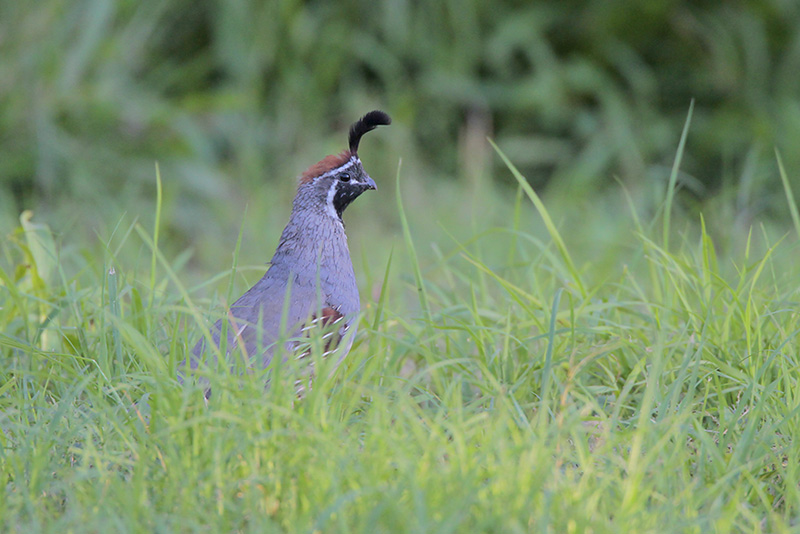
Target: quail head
310, 278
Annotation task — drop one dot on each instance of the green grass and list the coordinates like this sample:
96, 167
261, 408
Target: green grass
591, 357
514, 380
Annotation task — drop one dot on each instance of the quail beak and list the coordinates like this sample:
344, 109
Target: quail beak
370, 183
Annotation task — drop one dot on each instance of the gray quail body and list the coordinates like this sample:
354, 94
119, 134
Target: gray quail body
310, 277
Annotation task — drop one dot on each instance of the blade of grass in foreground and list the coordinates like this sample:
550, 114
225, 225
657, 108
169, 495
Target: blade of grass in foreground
548, 221
156, 228
673, 177
412, 252
548, 359
789, 195
384, 292
113, 302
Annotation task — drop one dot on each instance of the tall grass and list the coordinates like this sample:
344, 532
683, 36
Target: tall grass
505, 383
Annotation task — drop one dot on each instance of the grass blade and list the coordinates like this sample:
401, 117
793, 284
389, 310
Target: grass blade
789, 195
548, 221
156, 228
412, 252
673, 177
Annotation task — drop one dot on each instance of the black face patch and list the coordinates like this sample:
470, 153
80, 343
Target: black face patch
346, 192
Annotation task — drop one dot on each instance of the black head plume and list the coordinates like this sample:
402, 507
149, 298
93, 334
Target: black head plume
365, 124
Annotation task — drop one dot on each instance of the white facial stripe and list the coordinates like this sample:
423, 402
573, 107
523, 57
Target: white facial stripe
329, 209
350, 163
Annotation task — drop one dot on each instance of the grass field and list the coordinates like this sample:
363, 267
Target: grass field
598, 367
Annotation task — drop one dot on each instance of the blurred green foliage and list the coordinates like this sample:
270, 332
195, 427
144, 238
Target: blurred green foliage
227, 93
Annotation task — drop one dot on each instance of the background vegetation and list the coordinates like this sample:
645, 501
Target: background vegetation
233, 97
613, 349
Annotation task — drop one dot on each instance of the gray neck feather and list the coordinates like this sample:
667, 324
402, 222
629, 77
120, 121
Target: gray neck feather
313, 251
313, 236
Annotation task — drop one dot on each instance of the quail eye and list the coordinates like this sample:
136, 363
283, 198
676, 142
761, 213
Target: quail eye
345, 177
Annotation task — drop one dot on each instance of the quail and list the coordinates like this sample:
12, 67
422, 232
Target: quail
310, 279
